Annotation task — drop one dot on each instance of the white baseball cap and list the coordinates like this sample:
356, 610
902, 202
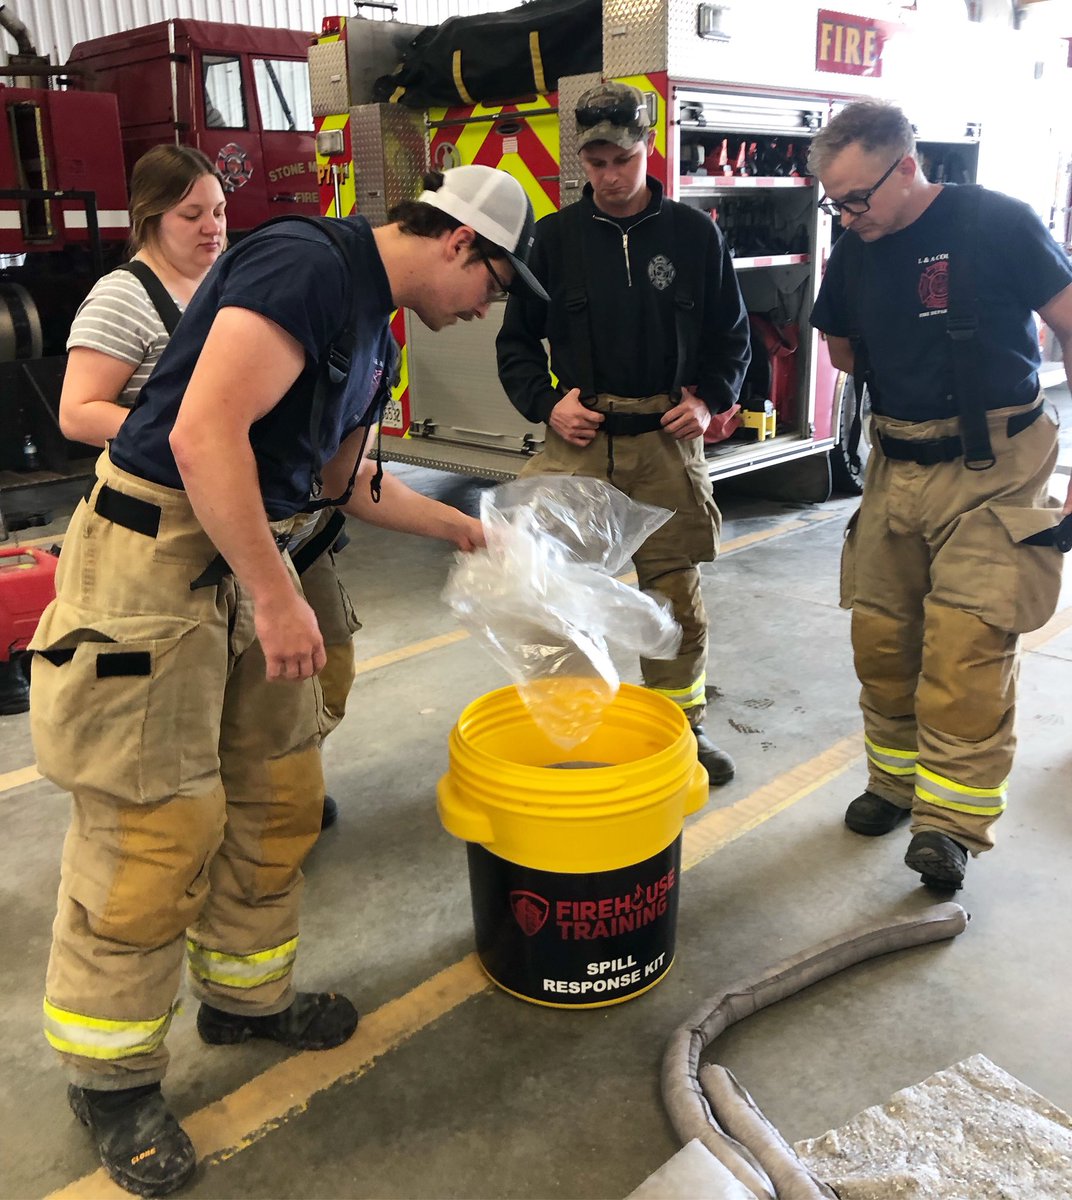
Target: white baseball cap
495, 205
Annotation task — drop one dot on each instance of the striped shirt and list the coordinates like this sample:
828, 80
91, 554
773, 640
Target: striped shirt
118, 319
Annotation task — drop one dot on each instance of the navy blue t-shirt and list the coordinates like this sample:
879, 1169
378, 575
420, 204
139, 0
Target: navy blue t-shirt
902, 293
292, 274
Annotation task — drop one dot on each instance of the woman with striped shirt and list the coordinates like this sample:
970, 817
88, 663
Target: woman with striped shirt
178, 230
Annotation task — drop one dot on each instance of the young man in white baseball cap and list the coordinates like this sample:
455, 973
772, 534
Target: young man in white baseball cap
195, 773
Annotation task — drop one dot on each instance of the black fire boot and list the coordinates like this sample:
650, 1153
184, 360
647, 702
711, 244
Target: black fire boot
14, 690
940, 860
330, 814
142, 1147
717, 763
873, 816
314, 1021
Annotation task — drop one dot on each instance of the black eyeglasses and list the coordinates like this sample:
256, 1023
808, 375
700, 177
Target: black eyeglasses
617, 110
503, 288
856, 206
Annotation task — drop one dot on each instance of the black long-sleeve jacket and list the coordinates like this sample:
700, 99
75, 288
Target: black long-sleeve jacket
629, 281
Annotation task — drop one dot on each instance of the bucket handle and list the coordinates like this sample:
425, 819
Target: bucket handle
699, 790
460, 818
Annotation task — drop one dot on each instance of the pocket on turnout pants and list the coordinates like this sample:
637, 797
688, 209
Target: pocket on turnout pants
121, 706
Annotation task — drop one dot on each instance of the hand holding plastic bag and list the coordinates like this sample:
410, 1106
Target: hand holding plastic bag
542, 598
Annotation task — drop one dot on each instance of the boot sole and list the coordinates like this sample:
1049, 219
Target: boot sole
935, 871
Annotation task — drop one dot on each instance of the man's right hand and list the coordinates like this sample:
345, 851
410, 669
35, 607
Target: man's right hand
289, 636
573, 422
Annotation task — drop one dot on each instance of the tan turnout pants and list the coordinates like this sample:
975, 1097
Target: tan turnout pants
196, 788
655, 468
940, 589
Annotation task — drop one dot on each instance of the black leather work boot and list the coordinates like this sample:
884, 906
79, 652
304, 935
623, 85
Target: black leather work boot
330, 814
14, 690
314, 1021
873, 816
939, 859
141, 1145
717, 763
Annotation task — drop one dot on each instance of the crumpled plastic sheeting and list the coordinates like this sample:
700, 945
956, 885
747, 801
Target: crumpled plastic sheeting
971, 1130
542, 597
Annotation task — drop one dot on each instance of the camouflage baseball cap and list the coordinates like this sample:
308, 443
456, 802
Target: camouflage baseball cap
612, 112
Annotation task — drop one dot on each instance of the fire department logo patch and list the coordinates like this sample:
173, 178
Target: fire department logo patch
530, 911
233, 164
934, 285
661, 272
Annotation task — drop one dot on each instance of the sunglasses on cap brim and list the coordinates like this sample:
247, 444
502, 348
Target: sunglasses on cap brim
624, 113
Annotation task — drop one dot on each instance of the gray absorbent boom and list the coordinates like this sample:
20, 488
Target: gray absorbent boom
710, 1105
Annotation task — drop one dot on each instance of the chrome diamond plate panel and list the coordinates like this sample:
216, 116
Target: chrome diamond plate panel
571, 178
634, 37
327, 79
390, 153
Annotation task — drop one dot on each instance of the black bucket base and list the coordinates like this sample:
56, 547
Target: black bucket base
575, 940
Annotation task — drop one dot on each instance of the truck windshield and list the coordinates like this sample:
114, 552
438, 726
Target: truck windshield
224, 106
283, 93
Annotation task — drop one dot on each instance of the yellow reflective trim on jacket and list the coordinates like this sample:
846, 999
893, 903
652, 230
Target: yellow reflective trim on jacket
241, 970
101, 1038
459, 83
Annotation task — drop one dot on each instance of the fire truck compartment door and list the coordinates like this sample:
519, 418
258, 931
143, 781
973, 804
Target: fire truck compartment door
454, 386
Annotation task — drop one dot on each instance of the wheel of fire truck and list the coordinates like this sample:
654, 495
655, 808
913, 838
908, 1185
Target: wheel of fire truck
846, 475
20, 324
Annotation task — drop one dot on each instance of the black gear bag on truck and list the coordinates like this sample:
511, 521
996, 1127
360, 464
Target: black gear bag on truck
497, 56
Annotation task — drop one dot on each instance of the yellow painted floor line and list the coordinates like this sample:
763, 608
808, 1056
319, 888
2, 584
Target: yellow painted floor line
711, 833
14, 779
221, 1130
363, 665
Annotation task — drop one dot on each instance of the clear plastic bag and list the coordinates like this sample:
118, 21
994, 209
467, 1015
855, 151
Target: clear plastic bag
543, 600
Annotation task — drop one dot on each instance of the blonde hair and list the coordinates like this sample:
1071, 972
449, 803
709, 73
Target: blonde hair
161, 179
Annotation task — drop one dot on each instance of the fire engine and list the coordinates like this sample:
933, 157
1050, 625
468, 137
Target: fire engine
70, 137
735, 95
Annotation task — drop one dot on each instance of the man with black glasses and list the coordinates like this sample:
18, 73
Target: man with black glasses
649, 340
929, 296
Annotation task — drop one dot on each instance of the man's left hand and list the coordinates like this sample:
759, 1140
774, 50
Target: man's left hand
689, 419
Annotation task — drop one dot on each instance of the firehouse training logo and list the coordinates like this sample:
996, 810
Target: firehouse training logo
233, 164
934, 284
530, 911
661, 272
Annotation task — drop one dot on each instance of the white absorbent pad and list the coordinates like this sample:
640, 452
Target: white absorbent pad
970, 1132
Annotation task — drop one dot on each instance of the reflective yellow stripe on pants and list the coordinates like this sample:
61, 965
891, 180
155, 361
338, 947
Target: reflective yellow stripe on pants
95, 1037
241, 970
889, 760
947, 793
689, 697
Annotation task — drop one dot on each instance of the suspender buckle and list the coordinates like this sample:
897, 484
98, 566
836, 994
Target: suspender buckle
960, 329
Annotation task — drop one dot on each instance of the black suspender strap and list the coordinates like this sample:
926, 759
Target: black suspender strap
572, 218
962, 326
861, 359
166, 308
312, 548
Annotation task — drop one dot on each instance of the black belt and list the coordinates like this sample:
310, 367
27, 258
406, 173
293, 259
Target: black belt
930, 451
617, 424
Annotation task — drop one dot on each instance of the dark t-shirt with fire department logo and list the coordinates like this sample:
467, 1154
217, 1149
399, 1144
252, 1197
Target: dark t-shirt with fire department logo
902, 294
292, 274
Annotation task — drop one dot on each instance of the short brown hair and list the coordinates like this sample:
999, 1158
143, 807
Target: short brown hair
160, 180
871, 124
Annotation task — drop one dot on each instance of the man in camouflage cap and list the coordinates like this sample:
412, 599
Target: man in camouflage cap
649, 340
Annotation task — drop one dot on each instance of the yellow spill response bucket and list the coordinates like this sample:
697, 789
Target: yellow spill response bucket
574, 874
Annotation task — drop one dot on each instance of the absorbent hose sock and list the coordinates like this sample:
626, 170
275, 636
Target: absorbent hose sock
688, 1107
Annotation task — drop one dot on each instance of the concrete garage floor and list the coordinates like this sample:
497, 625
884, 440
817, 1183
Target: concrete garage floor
451, 1088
